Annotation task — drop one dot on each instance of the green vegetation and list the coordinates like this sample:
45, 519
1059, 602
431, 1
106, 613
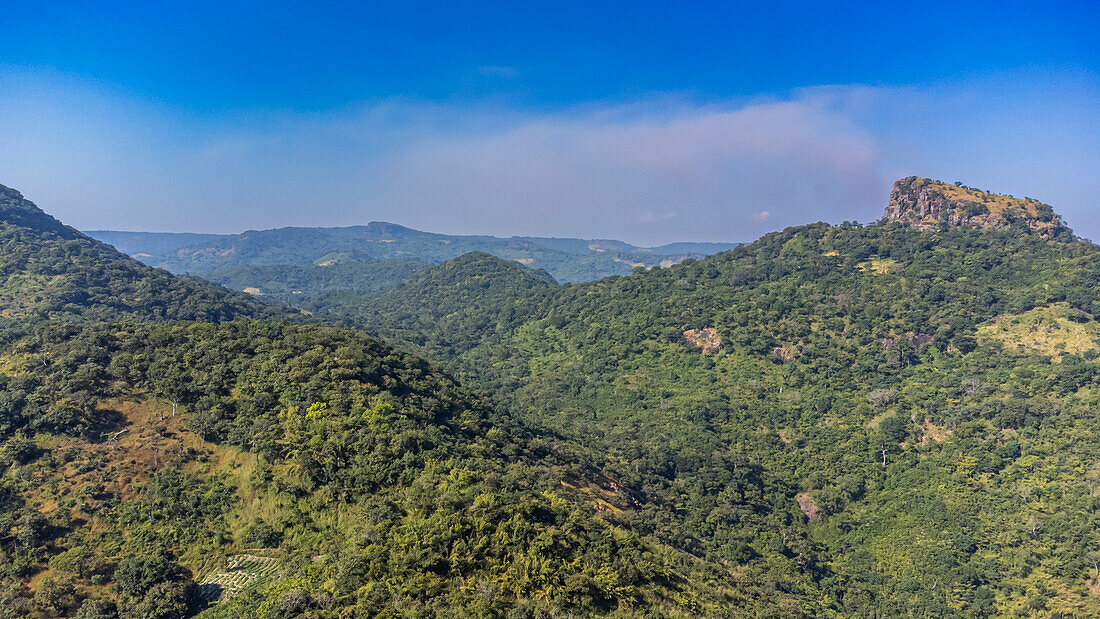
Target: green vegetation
843, 348
568, 260
379, 482
49, 270
298, 285
853, 421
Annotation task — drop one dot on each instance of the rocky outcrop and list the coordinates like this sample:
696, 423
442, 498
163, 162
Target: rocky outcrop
787, 352
706, 339
916, 340
808, 507
924, 203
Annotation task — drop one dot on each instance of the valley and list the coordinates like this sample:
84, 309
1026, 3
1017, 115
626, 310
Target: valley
221, 258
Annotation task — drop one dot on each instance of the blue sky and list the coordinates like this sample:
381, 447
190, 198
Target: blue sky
650, 122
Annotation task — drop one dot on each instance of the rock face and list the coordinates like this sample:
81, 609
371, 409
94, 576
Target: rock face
706, 339
808, 507
925, 203
787, 352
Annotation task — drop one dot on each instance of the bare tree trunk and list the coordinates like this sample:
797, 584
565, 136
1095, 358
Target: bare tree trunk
114, 436
113, 439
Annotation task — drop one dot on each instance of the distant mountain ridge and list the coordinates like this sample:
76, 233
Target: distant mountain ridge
147, 244
566, 259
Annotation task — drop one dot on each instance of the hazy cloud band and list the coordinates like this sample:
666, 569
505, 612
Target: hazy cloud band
654, 171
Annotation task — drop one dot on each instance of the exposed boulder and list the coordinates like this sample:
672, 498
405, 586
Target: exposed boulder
808, 507
787, 352
706, 339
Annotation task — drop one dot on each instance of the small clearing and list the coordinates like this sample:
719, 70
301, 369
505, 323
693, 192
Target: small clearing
240, 571
880, 266
1055, 330
930, 432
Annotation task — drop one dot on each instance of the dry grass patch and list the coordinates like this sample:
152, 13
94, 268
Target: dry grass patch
879, 266
1055, 330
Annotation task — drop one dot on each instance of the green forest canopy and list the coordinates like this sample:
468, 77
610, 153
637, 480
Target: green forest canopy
885, 421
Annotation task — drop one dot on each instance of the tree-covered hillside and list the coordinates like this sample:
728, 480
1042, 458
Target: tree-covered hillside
49, 270
844, 348
926, 399
139, 459
568, 260
157, 468
448, 309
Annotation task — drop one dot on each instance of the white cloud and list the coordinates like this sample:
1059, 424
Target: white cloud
649, 172
602, 172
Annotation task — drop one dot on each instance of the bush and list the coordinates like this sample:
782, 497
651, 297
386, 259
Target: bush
881, 398
97, 609
261, 535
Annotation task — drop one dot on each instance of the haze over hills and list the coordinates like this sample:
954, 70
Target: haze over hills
568, 260
145, 245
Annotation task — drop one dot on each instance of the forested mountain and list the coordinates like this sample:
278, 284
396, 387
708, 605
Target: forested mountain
471, 301
299, 285
297, 469
49, 270
895, 419
568, 260
921, 392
